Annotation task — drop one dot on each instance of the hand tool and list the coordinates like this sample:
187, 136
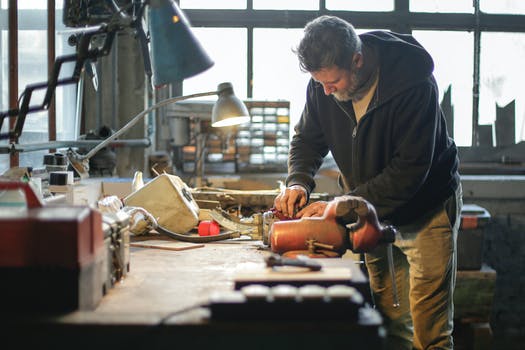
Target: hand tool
301, 261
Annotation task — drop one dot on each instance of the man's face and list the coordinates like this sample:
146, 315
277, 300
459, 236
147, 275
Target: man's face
342, 83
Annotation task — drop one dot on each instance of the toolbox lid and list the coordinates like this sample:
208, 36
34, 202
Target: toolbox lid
473, 216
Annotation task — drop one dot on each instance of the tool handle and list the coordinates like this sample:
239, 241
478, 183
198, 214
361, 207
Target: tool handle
32, 200
276, 260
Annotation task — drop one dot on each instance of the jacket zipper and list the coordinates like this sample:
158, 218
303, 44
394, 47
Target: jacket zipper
354, 134
354, 137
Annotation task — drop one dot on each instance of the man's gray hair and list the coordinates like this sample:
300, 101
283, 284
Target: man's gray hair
327, 41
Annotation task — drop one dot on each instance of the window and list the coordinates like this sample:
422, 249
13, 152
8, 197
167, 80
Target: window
454, 72
212, 4
276, 69
500, 84
4, 85
359, 5
449, 6
32, 67
512, 7
286, 5
227, 48
224, 28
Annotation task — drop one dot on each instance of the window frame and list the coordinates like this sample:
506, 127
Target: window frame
401, 20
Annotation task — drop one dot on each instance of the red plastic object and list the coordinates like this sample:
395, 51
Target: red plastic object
209, 228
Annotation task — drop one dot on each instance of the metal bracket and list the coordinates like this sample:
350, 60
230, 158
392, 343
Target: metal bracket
226, 220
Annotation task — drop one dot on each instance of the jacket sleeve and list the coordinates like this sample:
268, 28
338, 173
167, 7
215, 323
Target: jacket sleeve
416, 114
307, 147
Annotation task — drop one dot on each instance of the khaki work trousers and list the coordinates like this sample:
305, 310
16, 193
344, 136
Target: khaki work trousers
425, 271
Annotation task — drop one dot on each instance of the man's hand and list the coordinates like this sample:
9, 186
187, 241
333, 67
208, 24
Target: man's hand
290, 198
314, 209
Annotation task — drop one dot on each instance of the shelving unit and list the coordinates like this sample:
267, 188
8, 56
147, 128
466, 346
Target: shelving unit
259, 146
262, 144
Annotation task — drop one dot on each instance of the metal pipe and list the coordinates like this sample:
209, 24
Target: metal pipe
476, 77
13, 70
390, 256
51, 52
15, 148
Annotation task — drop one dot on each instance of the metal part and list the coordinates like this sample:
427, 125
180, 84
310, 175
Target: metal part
116, 240
392, 274
258, 200
254, 229
313, 245
225, 220
301, 261
268, 218
14, 147
366, 233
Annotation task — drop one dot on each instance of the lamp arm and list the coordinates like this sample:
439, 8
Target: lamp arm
138, 117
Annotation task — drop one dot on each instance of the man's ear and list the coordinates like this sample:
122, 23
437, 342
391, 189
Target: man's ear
357, 60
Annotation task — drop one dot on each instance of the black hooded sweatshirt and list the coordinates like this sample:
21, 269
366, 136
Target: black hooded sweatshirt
399, 156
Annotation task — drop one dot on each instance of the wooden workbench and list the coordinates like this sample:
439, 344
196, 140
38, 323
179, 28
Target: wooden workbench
159, 305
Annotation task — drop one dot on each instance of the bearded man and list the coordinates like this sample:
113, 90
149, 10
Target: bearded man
372, 101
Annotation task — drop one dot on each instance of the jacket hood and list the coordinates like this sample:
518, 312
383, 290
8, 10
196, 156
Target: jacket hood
402, 60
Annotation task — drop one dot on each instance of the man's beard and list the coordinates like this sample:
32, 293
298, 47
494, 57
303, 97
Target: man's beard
358, 87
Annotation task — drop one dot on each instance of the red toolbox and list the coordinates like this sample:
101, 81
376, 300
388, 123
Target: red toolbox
51, 257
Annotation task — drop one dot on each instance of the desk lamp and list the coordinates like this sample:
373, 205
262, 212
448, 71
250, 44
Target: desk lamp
176, 53
228, 110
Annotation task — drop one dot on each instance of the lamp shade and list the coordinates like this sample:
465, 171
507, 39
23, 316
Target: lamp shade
229, 109
175, 52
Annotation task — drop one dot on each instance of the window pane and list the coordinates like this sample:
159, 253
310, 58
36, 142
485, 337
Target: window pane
276, 73
31, 5
227, 48
4, 98
454, 71
212, 4
513, 7
500, 83
360, 5
286, 5
32, 68
463, 6
65, 95
4, 72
